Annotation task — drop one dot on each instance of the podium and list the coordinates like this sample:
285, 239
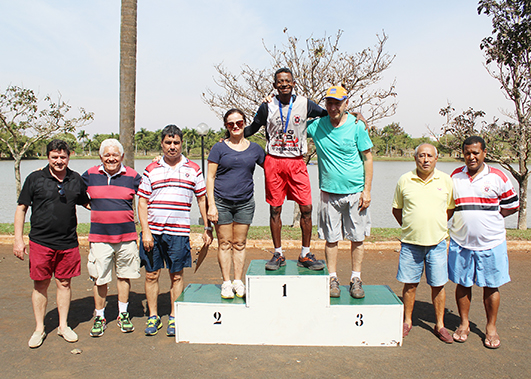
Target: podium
290, 306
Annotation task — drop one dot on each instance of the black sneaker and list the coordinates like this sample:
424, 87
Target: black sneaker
356, 289
276, 262
310, 262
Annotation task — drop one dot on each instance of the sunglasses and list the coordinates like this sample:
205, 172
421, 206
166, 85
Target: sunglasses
231, 124
61, 190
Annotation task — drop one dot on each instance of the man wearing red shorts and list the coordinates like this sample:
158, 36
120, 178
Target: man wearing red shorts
53, 194
285, 170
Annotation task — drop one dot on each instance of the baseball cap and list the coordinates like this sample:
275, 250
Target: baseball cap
336, 92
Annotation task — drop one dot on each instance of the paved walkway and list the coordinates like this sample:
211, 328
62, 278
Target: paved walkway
119, 355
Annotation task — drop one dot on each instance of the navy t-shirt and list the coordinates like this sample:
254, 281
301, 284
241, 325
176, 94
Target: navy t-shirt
53, 216
234, 176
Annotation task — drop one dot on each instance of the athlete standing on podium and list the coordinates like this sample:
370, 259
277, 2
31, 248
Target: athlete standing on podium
345, 178
285, 170
230, 190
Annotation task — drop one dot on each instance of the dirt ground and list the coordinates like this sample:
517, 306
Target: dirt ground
119, 355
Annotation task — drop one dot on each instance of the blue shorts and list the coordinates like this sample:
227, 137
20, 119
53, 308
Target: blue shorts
485, 268
169, 249
241, 212
413, 258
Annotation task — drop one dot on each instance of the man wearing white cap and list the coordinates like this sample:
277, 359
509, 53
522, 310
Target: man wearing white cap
345, 177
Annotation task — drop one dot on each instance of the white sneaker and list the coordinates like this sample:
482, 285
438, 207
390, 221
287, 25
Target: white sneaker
238, 288
226, 291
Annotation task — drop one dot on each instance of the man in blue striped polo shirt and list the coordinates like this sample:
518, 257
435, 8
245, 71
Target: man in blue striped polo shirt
112, 188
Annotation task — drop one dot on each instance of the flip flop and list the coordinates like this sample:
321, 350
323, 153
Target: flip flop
492, 342
406, 329
461, 335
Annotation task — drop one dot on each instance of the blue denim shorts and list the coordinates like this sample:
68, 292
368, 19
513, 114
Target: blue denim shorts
413, 259
168, 250
241, 212
484, 268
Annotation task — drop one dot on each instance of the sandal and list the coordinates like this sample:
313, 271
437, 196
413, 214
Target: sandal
492, 342
461, 335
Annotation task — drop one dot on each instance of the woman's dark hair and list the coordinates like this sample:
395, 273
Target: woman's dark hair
226, 116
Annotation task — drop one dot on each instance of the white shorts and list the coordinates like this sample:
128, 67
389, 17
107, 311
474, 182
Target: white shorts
339, 218
104, 256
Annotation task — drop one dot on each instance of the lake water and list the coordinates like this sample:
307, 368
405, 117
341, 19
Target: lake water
386, 175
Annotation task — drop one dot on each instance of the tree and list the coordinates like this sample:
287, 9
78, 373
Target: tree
83, 138
128, 79
23, 125
316, 66
508, 60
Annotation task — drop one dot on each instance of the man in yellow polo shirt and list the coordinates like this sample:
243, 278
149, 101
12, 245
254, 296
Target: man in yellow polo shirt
422, 205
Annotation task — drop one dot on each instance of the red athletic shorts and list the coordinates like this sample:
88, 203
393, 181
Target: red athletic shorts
287, 177
63, 264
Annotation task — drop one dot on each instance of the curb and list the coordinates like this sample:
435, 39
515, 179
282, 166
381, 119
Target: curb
196, 241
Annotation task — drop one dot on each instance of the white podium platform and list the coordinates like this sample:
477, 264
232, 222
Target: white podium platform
290, 306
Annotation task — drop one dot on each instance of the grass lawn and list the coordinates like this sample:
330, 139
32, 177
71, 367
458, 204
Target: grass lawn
289, 233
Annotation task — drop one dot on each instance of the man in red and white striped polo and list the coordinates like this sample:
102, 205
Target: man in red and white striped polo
165, 198
478, 249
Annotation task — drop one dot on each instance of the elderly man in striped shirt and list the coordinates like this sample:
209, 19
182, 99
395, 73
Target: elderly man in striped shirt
112, 188
478, 249
165, 198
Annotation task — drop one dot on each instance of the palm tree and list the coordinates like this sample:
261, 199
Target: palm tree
82, 136
128, 79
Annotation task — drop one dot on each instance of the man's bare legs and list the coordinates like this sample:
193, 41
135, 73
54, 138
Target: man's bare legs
152, 291
39, 299
306, 224
491, 301
438, 298
463, 298
356, 252
409, 293
176, 288
64, 296
331, 256
275, 224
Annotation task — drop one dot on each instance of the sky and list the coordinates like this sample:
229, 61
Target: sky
71, 48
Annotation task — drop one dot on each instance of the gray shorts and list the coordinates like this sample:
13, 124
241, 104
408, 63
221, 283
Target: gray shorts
241, 212
340, 219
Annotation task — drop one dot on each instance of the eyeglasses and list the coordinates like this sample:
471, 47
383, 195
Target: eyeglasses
60, 189
231, 124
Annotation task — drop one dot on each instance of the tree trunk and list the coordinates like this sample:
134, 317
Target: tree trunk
296, 216
522, 212
17, 174
128, 79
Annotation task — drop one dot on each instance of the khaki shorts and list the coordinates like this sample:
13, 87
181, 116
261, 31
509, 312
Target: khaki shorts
339, 218
123, 256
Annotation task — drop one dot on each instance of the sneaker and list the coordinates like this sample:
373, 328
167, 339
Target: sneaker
226, 291
36, 339
124, 322
68, 334
356, 290
310, 262
170, 332
100, 324
238, 288
153, 325
335, 291
276, 262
